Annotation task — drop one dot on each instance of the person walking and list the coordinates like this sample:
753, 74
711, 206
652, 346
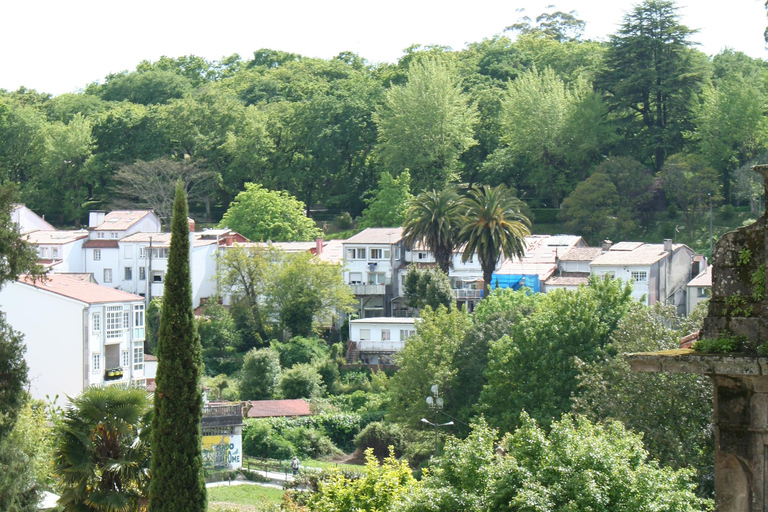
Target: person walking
295, 466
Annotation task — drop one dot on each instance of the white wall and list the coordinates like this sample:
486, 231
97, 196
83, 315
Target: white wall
374, 341
53, 331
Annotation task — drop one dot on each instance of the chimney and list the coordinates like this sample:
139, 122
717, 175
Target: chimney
95, 218
606, 245
318, 246
668, 245
191, 224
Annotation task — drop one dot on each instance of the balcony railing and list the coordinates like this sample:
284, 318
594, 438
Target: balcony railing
467, 293
380, 346
222, 410
368, 289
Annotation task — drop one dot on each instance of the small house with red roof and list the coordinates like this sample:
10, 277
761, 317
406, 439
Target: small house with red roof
77, 333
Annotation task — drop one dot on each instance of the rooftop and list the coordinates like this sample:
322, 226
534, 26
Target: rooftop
376, 236
74, 287
272, 408
703, 280
384, 320
633, 253
55, 237
120, 220
582, 254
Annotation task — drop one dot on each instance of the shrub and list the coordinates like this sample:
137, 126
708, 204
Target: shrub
379, 436
301, 350
259, 440
329, 373
310, 442
301, 381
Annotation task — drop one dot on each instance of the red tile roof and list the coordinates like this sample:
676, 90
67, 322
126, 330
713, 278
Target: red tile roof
100, 244
120, 220
78, 289
270, 408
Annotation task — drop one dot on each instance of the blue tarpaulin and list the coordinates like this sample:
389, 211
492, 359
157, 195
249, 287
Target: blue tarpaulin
516, 281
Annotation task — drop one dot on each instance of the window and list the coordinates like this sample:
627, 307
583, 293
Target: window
107, 275
406, 333
114, 234
397, 253
356, 254
421, 255
54, 252
128, 252
114, 322
138, 322
157, 276
377, 278
365, 335
640, 276
128, 273
142, 273
96, 365
380, 254
96, 322
142, 253
100, 234
126, 319
355, 278
43, 252
704, 291
161, 253
126, 359
138, 356
385, 335
96, 254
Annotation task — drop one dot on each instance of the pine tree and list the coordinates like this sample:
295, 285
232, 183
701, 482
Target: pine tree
177, 483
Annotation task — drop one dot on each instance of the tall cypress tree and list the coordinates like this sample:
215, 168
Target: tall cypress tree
177, 483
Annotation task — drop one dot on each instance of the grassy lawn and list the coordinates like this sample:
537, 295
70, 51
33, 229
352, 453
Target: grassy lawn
223, 498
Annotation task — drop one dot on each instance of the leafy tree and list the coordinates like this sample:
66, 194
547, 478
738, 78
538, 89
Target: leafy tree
377, 490
260, 374
688, 183
635, 184
560, 26
300, 350
387, 208
433, 219
307, 293
301, 381
554, 129
492, 225
177, 464
673, 411
153, 325
219, 338
261, 214
651, 76
102, 450
577, 466
152, 184
149, 87
533, 369
729, 126
593, 210
428, 287
426, 124
21, 141
426, 360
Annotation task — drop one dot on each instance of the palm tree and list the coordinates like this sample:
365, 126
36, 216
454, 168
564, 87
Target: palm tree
102, 451
433, 219
491, 225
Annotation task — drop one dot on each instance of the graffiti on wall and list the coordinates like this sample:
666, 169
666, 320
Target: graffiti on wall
222, 452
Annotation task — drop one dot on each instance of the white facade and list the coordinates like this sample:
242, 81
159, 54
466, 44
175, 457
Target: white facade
376, 340
77, 334
28, 221
62, 250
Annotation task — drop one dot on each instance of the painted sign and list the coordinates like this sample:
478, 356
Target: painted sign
222, 452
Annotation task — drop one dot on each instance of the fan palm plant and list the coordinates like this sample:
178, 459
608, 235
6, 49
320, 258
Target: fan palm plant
102, 451
433, 219
492, 225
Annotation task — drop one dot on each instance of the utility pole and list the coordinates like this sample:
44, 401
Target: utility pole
710, 225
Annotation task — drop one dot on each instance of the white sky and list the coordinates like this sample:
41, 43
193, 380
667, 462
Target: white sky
59, 46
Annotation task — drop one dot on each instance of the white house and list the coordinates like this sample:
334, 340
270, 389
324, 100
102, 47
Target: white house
572, 269
659, 272
59, 250
699, 289
27, 220
371, 259
77, 333
375, 340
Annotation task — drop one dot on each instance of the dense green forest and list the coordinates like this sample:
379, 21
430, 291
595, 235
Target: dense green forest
611, 133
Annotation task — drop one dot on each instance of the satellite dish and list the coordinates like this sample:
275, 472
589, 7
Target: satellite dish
439, 402
434, 389
429, 400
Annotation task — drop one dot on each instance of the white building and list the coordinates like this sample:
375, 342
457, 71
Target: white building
376, 340
60, 250
659, 272
573, 269
27, 220
77, 333
699, 289
371, 259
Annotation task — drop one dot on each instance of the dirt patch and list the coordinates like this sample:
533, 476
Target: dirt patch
357, 457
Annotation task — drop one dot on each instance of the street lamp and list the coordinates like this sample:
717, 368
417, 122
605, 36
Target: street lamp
435, 403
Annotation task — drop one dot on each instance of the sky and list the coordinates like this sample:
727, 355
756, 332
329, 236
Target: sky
58, 46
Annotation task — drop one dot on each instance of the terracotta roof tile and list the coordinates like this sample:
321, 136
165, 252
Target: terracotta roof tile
582, 254
120, 220
55, 237
270, 408
74, 288
376, 236
100, 244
